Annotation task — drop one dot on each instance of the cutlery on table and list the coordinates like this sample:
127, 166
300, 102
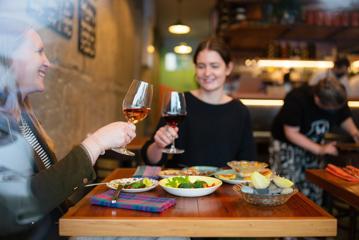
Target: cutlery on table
116, 193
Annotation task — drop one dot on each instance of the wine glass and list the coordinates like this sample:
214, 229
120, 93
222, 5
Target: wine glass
136, 106
174, 112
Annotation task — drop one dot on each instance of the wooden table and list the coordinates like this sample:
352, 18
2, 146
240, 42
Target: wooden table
341, 189
345, 191
221, 214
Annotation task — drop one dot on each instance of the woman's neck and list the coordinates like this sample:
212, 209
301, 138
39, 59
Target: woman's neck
214, 97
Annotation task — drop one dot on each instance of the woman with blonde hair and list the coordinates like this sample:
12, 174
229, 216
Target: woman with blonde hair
23, 67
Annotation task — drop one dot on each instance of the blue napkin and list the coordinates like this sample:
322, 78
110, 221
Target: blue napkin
133, 201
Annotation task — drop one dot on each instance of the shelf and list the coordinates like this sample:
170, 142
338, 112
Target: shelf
257, 37
262, 24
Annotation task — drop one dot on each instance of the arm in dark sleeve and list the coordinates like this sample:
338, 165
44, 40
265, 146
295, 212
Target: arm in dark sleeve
52, 186
343, 114
160, 124
291, 111
247, 149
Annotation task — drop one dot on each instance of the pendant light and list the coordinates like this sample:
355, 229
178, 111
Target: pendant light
178, 27
183, 48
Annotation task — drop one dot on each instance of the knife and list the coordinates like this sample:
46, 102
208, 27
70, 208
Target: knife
117, 193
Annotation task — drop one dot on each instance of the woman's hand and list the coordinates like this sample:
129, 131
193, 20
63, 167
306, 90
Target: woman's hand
355, 136
116, 134
165, 136
328, 148
294, 135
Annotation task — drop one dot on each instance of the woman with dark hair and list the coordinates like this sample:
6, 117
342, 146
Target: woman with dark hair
217, 128
23, 67
299, 128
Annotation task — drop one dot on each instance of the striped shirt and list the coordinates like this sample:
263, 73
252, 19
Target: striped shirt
33, 141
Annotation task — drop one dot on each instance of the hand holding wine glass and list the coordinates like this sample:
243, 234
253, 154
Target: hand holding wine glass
174, 112
136, 106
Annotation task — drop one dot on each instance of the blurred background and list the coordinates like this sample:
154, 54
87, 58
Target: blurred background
98, 46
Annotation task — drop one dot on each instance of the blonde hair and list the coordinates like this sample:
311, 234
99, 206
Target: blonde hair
12, 35
28, 108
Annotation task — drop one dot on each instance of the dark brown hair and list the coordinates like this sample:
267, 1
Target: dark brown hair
341, 61
330, 92
214, 44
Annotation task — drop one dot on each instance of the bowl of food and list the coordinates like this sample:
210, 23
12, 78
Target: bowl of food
230, 176
246, 168
190, 186
170, 173
266, 192
133, 185
264, 199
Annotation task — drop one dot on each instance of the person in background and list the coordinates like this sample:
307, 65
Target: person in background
287, 80
354, 86
298, 131
338, 72
217, 128
23, 68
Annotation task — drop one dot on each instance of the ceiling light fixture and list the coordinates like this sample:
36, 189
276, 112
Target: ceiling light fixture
178, 27
183, 48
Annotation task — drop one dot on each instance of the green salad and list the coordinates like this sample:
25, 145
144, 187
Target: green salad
184, 182
143, 183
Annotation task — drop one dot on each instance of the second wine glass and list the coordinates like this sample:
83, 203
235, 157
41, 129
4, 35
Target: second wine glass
136, 105
174, 112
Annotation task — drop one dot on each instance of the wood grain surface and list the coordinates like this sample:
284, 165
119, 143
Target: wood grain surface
344, 190
221, 214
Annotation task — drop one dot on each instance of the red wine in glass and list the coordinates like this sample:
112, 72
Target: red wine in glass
174, 112
174, 120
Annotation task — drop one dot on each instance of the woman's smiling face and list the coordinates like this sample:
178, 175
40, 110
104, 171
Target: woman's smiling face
211, 70
30, 64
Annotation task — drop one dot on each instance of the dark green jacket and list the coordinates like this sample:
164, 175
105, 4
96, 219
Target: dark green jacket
49, 188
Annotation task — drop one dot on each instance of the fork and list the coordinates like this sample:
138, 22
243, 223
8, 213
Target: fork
116, 194
95, 184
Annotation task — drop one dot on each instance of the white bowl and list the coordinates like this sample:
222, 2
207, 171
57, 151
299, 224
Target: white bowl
192, 192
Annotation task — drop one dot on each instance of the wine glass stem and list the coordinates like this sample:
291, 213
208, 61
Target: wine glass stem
173, 147
125, 146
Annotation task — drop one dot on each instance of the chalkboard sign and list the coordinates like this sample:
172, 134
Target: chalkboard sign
57, 15
87, 28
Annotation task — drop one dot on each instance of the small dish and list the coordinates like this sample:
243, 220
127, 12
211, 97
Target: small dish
246, 168
192, 192
170, 173
230, 176
264, 199
199, 170
124, 181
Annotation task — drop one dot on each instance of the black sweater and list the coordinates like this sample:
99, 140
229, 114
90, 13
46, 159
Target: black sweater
211, 135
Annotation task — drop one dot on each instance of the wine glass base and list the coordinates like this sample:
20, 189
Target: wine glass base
173, 151
123, 151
